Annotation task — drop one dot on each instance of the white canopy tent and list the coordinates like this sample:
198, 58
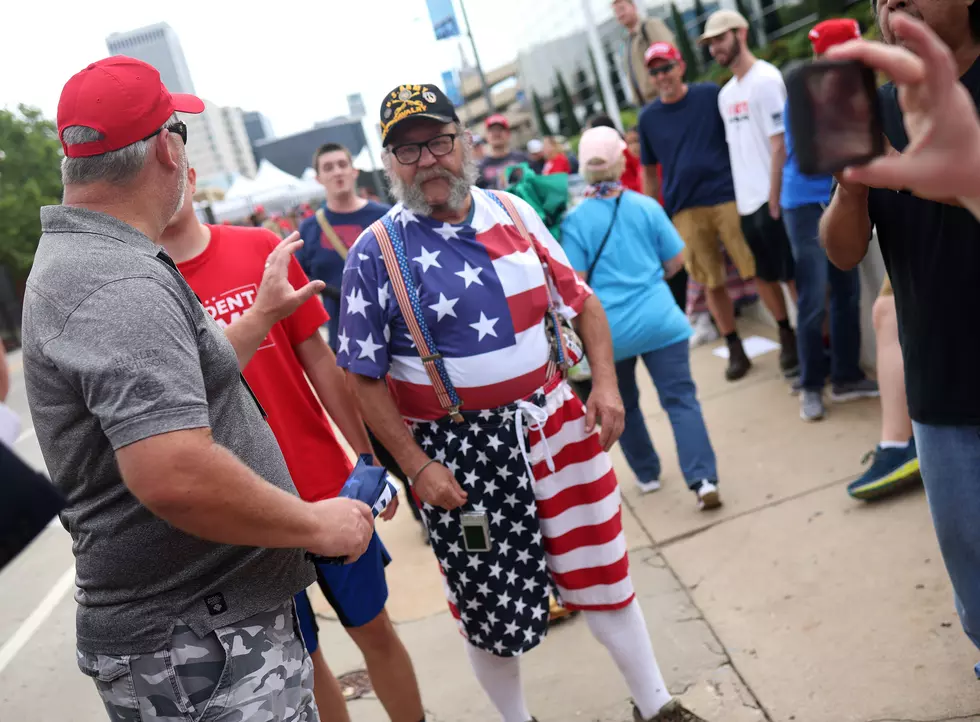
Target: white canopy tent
271, 187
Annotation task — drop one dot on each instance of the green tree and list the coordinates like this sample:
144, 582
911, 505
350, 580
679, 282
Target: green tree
770, 19
598, 83
684, 44
831, 8
30, 156
539, 118
586, 93
566, 109
744, 12
702, 19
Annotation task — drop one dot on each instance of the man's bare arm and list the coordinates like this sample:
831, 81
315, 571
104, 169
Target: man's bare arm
201, 488
247, 333
330, 384
845, 228
674, 265
651, 184
432, 481
381, 414
778, 145
604, 406
276, 299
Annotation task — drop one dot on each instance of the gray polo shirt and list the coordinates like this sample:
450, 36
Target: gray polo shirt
117, 349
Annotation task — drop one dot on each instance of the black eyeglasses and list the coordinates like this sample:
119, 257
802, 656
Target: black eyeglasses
178, 127
410, 153
662, 69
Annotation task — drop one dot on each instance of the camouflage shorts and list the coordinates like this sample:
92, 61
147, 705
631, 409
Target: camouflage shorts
257, 670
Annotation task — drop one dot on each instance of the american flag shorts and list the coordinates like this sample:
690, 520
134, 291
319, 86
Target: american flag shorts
553, 505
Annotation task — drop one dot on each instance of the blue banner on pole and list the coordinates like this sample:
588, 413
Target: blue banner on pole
450, 86
443, 19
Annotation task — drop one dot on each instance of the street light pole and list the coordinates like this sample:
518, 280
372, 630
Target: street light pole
601, 66
476, 60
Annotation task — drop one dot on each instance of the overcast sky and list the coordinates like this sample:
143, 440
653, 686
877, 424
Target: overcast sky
294, 60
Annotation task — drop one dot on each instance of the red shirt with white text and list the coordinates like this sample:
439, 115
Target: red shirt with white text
227, 276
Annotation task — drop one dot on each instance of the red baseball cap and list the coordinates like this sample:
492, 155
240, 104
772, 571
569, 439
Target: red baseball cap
122, 98
498, 119
833, 32
661, 51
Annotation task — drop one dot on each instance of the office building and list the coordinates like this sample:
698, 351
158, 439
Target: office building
218, 144
159, 46
257, 126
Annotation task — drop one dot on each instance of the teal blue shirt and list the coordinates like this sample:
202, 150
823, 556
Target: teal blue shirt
629, 277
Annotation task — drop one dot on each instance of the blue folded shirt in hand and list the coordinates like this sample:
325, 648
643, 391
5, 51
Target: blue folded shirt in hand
367, 483
370, 484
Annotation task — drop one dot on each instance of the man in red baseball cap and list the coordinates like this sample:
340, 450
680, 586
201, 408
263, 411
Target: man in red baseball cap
499, 154
189, 536
682, 132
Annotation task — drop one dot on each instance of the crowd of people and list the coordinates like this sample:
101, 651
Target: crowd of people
179, 382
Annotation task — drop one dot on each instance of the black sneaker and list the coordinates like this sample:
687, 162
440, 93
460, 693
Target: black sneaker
789, 360
673, 711
738, 362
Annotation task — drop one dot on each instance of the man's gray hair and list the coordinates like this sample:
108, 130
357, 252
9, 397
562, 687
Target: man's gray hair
117, 166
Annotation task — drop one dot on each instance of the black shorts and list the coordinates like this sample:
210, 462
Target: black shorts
769, 243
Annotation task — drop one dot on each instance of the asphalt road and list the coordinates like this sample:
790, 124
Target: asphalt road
39, 680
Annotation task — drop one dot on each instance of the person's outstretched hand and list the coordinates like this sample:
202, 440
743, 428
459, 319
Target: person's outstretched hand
277, 298
943, 155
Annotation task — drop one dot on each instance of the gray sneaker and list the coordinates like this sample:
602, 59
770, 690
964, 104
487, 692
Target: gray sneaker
863, 389
673, 711
811, 405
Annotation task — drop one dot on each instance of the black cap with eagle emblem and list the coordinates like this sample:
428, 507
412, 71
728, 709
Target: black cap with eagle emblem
415, 101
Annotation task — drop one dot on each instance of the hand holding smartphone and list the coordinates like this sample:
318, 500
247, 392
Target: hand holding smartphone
835, 116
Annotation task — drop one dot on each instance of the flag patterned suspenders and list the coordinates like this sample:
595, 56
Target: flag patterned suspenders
396, 262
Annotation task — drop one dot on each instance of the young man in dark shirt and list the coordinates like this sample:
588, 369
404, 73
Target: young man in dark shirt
683, 132
329, 234
932, 252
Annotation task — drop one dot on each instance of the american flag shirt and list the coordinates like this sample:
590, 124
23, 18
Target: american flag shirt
483, 294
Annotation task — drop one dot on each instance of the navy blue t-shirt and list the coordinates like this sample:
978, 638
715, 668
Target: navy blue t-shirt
688, 139
317, 256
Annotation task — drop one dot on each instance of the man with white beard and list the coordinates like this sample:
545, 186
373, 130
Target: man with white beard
455, 296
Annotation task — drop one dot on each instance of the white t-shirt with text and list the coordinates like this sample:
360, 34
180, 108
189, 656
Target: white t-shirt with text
752, 108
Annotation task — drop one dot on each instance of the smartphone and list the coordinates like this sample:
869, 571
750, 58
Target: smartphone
835, 115
476, 531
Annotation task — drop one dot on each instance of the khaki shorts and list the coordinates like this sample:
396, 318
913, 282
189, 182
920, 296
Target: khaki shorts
701, 228
886, 287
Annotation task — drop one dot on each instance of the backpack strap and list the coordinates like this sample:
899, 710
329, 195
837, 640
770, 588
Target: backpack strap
504, 201
330, 233
399, 272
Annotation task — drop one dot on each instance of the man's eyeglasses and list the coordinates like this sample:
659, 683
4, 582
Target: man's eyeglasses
178, 127
410, 153
662, 69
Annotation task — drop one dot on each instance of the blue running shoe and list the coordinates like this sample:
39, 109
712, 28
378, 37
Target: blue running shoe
891, 469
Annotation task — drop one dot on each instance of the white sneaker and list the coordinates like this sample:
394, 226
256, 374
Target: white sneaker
708, 496
647, 486
704, 330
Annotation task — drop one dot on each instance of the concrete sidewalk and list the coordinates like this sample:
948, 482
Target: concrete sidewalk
793, 603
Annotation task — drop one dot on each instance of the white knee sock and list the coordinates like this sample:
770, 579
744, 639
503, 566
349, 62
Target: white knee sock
624, 633
500, 677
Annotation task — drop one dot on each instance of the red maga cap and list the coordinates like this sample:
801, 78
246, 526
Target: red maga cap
498, 119
122, 98
661, 51
833, 32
